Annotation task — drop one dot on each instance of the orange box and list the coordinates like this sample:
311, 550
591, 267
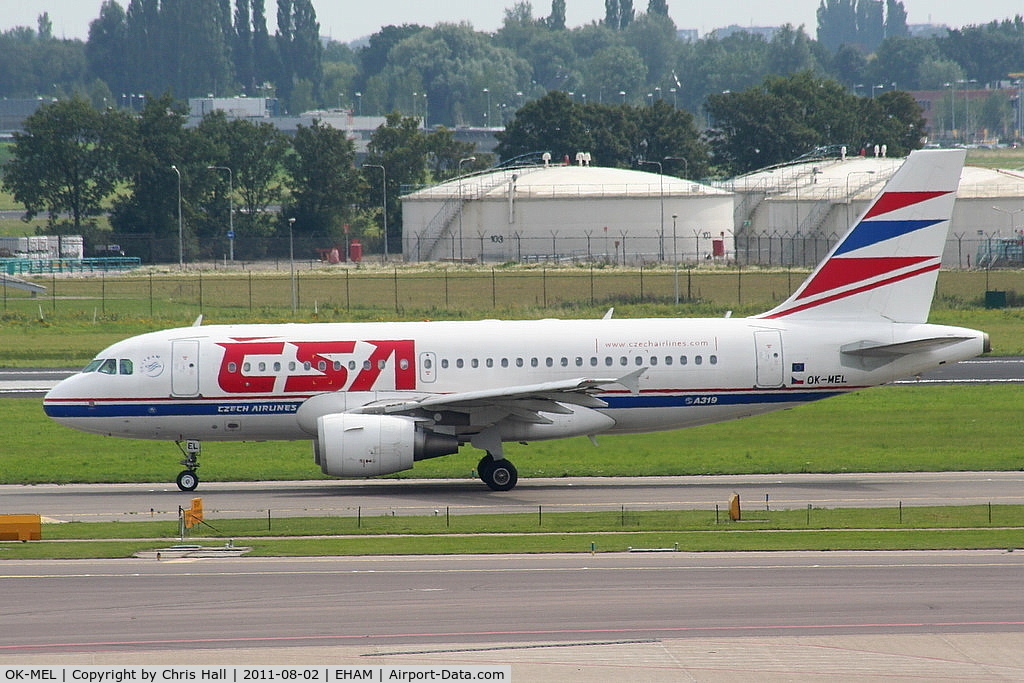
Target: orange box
20, 528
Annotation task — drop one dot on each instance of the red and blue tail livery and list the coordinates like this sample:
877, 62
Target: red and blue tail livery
886, 264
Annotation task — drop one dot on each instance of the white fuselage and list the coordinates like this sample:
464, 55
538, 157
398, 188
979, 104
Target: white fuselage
248, 382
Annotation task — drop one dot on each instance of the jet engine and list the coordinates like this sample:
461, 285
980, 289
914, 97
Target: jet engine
355, 445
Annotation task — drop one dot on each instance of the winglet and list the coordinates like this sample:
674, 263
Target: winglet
608, 315
198, 321
632, 380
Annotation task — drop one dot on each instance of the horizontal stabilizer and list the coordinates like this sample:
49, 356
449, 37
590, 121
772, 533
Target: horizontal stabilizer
878, 349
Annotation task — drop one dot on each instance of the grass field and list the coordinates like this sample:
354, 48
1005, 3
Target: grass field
925, 528
80, 316
888, 429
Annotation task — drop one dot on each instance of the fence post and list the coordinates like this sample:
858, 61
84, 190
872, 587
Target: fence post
494, 290
250, 291
150, 294
396, 289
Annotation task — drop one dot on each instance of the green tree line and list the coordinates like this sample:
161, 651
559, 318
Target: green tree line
454, 75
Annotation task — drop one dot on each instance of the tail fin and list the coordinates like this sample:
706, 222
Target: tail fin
886, 264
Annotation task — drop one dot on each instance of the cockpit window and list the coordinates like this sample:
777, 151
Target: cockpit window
109, 367
93, 365
127, 367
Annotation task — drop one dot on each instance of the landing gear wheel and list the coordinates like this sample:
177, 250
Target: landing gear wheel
188, 480
499, 475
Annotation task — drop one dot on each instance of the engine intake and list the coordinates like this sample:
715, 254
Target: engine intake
354, 445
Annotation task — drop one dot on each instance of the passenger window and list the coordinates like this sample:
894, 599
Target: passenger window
579, 361
490, 362
504, 362
713, 360
668, 360
246, 367
608, 361
639, 360
126, 366
564, 362
109, 367
697, 360
475, 363
404, 364
458, 363
550, 362
623, 360
232, 367
654, 360
534, 362
682, 360
519, 362
444, 363
322, 366
381, 364
277, 366
426, 364
593, 361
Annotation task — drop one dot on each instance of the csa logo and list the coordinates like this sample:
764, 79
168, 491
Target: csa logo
153, 366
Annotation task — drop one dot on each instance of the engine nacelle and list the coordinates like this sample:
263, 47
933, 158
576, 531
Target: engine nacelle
355, 445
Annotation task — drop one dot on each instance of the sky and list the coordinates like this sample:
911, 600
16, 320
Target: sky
340, 21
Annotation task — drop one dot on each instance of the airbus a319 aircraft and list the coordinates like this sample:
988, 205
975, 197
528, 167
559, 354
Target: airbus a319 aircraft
374, 398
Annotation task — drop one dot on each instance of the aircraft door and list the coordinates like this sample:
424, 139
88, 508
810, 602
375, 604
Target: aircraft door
185, 368
768, 346
428, 367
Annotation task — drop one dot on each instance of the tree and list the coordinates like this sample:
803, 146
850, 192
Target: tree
785, 117
837, 23
299, 49
870, 24
549, 124
895, 19
444, 153
65, 161
322, 180
158, 141
401, 148
105, 48
556, 20
659, 7
242, 50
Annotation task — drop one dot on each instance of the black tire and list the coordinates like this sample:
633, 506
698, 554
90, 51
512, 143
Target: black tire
484, 467
503, 476
188, 480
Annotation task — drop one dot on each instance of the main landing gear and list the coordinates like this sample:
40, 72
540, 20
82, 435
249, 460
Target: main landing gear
188, 480
499, 475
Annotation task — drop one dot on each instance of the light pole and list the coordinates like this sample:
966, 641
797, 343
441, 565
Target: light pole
181, 240
231, 208
291, 262
461, 161
384, 203
487, 120
661, 182
359, 99
675, 258
686, 164
881, 86
849, 199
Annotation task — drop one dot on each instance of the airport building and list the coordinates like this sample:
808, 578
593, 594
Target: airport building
792, 214
568, 212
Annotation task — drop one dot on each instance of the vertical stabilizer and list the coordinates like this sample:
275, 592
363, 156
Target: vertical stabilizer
886, 264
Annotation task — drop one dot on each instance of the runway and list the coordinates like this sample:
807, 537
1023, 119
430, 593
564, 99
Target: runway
554, 617
128, 502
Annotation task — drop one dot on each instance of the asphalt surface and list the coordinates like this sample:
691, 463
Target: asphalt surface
604, 617
349, 498
714, 616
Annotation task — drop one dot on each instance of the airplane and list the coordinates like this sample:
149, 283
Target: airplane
374, 398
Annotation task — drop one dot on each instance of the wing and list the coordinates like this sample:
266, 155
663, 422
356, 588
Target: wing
485, 417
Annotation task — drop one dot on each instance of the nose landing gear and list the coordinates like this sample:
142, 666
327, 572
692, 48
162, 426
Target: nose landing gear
188, 480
